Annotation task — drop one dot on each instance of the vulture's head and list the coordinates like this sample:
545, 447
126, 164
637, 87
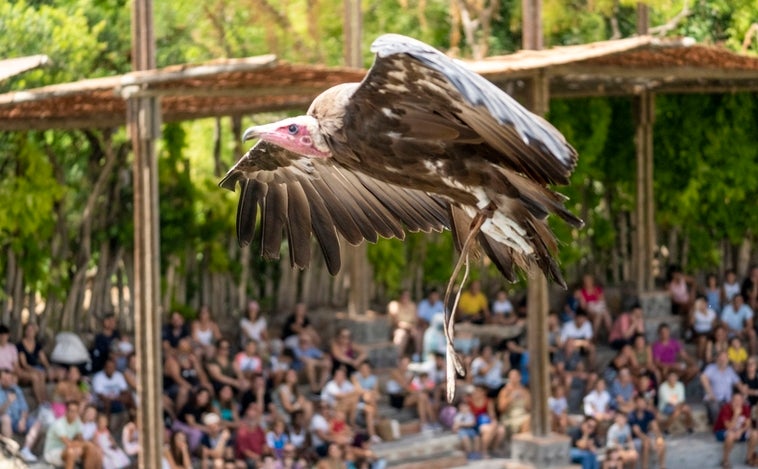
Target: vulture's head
298, 134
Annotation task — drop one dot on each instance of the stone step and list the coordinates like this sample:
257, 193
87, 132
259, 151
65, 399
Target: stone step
381, 354
655, 304
417, 447
652, 323
444, 461
367, 329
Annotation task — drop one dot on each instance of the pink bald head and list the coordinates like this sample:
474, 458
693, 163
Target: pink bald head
298, 134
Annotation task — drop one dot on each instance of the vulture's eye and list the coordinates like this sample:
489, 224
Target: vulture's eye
292, 129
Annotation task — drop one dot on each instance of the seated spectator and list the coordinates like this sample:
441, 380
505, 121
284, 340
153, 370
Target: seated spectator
9, 360
592, 301
247, 362
334, 458
110, 389
259, 394
277, 438
569, 366
173, 332
341, 394
702, 320
473, 305
718, 343
503, 312
738, 319
712, 293
680, 289
730, 287
464, 424
647, 388
597, 404
182, 373
626, 326
220, 368
718, 380
402, 313
429, 307
514, 404
733, 425
298, 324
32, 358
483, 409
321, 437
226, 406
672, 404
620, 444
625, 358
14, 415
749, 380
288, 399
64, 445
253, 325
71, 388
216, 444
345, 353
104, 341
646, 432
749, 288
487, 370
177, 453
404, 393
643, 356
123, 348
250, 441
189, 419
89, 422
670, 355
205, 333
579, 331
130, 437
585, 444
317, 365
623, 392
558, 405
113, 456
737, 354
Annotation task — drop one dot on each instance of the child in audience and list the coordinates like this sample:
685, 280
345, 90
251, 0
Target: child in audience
558, 405
737, 354
113, 456
464, 423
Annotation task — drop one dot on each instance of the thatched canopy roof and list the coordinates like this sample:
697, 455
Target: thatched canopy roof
258, 84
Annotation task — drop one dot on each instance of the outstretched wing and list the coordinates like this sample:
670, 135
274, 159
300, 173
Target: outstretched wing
419, 109
418, 94
302, 196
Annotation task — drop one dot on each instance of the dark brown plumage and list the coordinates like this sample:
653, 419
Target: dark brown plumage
421, 144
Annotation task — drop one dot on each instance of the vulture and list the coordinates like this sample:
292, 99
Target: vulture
421, 144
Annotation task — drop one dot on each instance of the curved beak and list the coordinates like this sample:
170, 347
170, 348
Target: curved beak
259, 131
251, 133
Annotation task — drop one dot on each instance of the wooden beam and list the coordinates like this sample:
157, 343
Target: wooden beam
144, 125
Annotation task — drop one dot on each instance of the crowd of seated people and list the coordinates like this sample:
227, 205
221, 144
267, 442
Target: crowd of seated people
300, 399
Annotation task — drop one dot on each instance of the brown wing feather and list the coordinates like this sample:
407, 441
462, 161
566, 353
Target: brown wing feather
302, 197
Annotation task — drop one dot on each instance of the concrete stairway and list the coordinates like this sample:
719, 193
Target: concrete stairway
423, 451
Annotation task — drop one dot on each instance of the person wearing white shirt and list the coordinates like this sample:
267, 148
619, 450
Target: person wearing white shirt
671, 403
579, 331
597, 403
487, 370
502, 310
341, 394
111, 389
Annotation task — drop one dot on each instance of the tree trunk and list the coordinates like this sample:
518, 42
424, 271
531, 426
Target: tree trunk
743, 258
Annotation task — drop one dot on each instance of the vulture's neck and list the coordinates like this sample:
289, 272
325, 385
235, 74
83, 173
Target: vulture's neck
329, 108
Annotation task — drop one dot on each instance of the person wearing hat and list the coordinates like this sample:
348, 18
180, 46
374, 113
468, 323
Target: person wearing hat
216, 443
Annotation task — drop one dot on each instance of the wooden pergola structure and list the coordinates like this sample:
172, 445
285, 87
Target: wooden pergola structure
640, 67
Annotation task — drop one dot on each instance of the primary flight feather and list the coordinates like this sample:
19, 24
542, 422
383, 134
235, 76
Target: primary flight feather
421, 144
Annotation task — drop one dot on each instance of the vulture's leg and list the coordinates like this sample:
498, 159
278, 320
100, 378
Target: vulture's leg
453, 362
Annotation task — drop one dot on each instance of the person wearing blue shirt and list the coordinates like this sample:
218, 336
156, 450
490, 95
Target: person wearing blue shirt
14, 414
430, 306
647, 434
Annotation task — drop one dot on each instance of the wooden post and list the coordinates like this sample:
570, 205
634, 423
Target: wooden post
531, 25
356, 256
144, 126
645, 235
537, 302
